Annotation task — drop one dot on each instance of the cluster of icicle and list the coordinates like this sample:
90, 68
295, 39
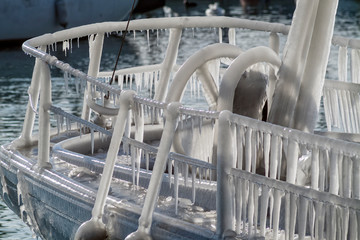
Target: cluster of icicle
294, 209
342, 99
330, 169
64, 118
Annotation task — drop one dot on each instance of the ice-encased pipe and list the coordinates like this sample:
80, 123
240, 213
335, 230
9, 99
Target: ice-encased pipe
44, 117
95, 52
95, 226
294, 59
308, 104
33, 91
214, 51
145, 220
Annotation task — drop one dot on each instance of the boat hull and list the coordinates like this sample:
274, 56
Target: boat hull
54, 206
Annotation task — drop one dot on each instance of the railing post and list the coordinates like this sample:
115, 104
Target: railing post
95, 51
168, 64
44, 117
225, 159
95, 228
145, 220
33, 91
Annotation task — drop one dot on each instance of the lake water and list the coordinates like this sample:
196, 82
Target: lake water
16, 69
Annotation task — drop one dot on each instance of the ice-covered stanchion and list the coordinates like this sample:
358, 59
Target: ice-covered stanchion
44, 117
225, 213
95, 228
95, 50
145, 220
33, 91
168, 64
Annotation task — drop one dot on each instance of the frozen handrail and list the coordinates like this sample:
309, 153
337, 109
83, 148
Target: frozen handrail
308, 163
60, 112
335, 170
310, 209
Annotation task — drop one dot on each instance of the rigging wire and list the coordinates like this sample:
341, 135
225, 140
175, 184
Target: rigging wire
121, 46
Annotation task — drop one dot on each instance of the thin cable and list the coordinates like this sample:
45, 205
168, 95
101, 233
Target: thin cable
122, 43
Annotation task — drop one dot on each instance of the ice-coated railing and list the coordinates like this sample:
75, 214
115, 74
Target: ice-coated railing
276, 209
289, 154
341, 98
342, 106
333, 166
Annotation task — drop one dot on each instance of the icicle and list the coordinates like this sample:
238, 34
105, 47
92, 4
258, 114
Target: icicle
186, 173
19, 192
344, 224
263, 209
303, 209
176, 186
311, 219
256, 207
134, 32
315, 168
78, 42
157, 37
248, 148
342, 64
276, 213
251, 208
238, 204
245, 191
65, 46
148, 38
355, 65
133, 160
232, 36
239, 145
267, 139
319, 220
332, 222
356, 179
353, 228
334, 173
193, 174
220, 35
92, 141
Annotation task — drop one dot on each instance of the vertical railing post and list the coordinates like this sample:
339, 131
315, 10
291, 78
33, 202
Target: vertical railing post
145, 220
225, 156
33, 91
95, 51
168, 64
44, 117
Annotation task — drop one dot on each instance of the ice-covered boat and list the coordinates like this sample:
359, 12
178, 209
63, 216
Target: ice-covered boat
148, 166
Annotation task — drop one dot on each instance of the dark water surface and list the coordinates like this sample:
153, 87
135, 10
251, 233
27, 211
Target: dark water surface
16, 70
